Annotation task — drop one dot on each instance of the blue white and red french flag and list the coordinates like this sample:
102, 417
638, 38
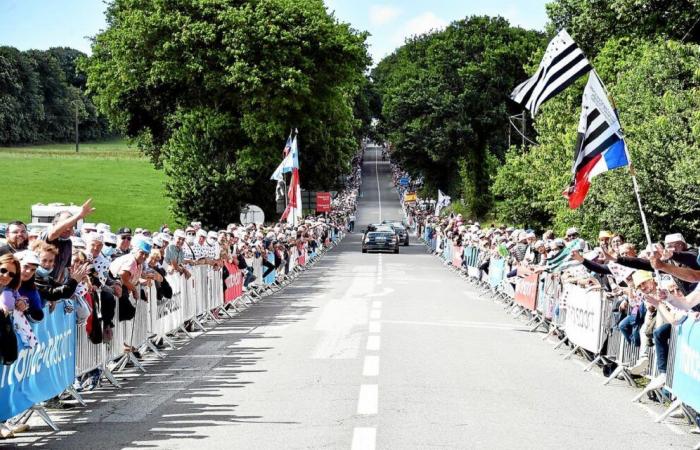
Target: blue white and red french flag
600, 145
293, 212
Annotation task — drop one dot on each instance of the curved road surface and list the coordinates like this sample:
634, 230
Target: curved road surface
365, 351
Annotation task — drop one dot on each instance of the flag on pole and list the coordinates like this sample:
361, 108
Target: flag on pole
285, 166
562, 64
287, 146
600, 145
293, 212
443, 202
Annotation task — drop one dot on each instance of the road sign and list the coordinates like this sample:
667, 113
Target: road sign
404, 181
252, 214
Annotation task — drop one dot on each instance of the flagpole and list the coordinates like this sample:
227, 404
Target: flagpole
630, 167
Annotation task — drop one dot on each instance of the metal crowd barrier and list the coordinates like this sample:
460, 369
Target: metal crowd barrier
551, 310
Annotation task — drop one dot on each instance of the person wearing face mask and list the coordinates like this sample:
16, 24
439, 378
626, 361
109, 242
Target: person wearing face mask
59, 234
109, 249
49, 289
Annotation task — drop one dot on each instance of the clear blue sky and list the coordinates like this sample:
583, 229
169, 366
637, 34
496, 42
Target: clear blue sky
43, 24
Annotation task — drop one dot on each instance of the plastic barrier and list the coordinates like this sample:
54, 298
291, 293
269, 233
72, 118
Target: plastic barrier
497, 268
685, 363
44, 371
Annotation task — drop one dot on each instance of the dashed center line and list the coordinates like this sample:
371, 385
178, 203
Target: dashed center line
368, 402
364, 438
375, 314
375, 326
373, 343
371, 367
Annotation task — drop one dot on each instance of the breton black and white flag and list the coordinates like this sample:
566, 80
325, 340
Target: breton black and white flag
562, 64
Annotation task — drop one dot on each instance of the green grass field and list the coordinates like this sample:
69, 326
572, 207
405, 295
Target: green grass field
125, 188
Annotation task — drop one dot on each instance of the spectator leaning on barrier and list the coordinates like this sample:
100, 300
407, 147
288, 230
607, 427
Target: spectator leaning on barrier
174, 257
16, 236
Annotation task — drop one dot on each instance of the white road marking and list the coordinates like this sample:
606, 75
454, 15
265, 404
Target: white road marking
371, 366
373, 343
377, 304
375, 326
368, 402
364, 438
375, 314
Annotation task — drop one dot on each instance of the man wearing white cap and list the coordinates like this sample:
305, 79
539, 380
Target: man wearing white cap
212, 248
174, 258
675, 242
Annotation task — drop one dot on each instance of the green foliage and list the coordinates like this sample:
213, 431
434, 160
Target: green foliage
656, 87
39, 94
250, 70
444, 103
593, 22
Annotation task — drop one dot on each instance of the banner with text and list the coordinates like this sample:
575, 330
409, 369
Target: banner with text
686, 366
583, 317
323, 202
44, 371
526, 291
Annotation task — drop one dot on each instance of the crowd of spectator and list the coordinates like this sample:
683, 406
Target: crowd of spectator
92, 269
651, 289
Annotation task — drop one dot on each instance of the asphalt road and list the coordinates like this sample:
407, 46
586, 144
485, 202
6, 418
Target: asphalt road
364, 351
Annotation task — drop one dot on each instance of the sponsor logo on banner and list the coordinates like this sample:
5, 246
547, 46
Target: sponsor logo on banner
583, 317
323, 202
686, 366
526, 291
41, 372
409, 197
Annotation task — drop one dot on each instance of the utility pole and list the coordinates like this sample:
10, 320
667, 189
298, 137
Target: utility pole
77, 137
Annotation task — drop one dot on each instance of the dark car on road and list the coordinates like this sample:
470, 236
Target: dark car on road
382, 239
401, 231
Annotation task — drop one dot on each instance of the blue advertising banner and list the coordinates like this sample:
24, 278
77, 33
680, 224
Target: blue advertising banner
44, 371
497, 269
404, 181
686, 365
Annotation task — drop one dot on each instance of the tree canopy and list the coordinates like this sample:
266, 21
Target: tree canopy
210, 89
39, 93
444, 102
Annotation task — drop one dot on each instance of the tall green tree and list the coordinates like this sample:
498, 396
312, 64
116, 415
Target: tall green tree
223, 81
445, 106
593, 22
656, 87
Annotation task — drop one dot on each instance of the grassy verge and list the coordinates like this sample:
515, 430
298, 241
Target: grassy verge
125, 188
